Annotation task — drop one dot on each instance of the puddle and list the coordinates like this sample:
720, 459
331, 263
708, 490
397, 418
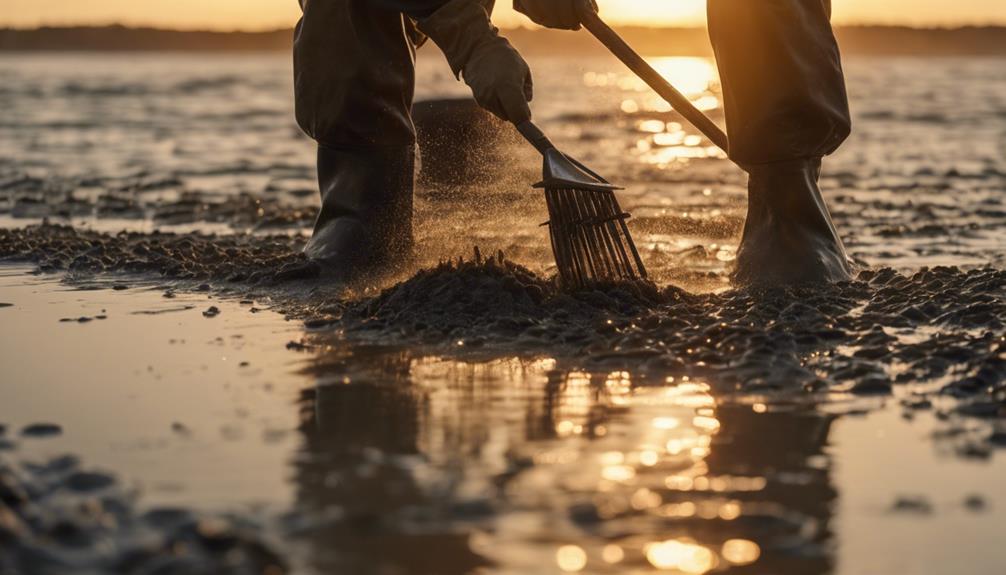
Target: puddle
192, 410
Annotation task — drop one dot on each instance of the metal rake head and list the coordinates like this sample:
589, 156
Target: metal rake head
590, 239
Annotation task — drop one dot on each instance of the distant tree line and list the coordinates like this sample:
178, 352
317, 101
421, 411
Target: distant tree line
877, 40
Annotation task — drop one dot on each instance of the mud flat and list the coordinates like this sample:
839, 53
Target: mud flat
643, 411
168, 441
942, 326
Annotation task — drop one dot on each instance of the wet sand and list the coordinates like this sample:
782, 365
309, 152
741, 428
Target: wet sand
939, 326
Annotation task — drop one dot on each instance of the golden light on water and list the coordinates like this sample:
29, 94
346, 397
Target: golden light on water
571, 558
681, 555
644, 499
741, 551
612, 554
649, 458
666, 423
666, 143
619, 473
691, 76
575, 402
637, 463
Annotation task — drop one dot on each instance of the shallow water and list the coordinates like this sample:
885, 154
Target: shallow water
851, 430
191, 408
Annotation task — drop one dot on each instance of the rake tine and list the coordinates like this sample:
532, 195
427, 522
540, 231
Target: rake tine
579, 241
606, 229
560, 263
587, 231
567, 237
559, 233
601, 230
616, 237
632, 245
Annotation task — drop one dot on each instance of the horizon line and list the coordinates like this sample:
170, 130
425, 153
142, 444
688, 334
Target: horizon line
51, 26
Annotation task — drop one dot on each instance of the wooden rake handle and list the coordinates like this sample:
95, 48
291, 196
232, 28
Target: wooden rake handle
592, 22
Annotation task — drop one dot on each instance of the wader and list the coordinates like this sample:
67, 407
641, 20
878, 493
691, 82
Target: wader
786, 107
354, 78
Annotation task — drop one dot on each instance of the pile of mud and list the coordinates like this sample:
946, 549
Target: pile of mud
941, 325
478, 301
59, 517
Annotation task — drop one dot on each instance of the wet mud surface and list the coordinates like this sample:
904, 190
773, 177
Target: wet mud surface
671, 373
172, 256
863, 336
466, 404
942, 325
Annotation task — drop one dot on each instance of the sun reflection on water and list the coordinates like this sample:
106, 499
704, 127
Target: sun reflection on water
652, 464
741, 551
571, 558
574, 469
662, 143
682, 555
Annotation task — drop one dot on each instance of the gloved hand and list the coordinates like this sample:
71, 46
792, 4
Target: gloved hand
561, 14
499, 77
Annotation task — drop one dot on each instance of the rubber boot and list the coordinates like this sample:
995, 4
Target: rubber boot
788, 235
354, 77
365, 222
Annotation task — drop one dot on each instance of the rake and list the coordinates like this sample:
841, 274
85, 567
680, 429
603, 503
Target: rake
590, 239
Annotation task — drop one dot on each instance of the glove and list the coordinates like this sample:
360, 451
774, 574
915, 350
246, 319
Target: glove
561, 14
499, 77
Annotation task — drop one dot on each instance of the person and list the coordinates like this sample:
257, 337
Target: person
786, 107
354, 76
354, 68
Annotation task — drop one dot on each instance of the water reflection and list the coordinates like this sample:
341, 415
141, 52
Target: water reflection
665, 143
426, 465
693, 77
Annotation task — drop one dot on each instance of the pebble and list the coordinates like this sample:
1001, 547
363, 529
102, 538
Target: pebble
42, 430
912, 504
181, 429
84, 481
872, 385
998, 438
975, 503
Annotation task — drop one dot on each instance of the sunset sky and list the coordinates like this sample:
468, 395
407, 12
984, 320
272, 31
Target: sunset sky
262, 14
